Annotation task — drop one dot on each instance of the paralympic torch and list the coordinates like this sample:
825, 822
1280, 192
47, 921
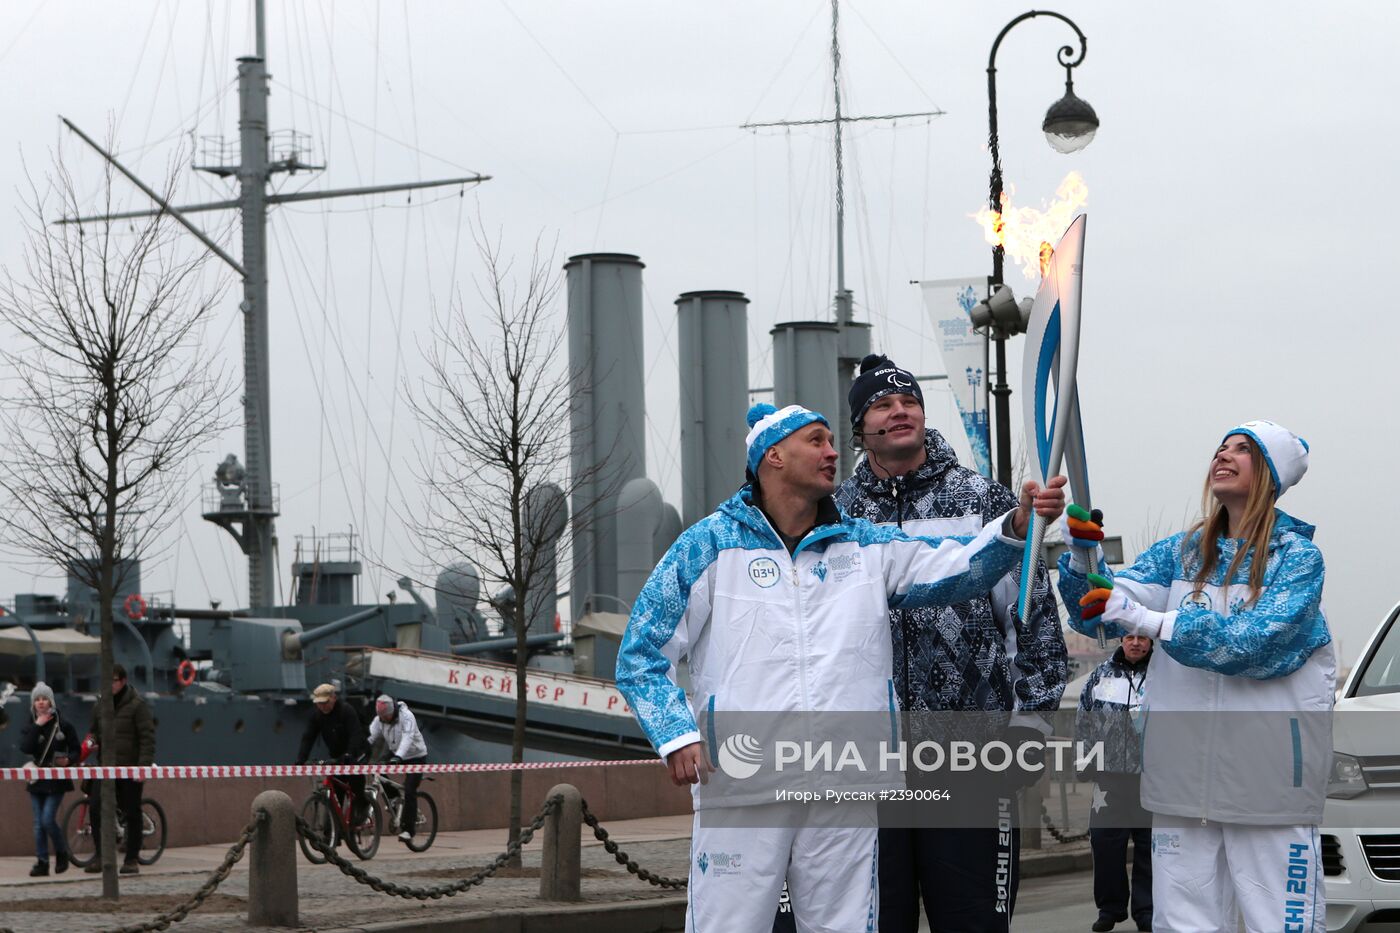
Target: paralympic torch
1048, 394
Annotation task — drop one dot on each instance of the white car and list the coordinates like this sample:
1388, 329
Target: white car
1361, 825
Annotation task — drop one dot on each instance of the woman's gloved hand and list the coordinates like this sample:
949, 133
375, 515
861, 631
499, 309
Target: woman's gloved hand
1115, 606
1093, 603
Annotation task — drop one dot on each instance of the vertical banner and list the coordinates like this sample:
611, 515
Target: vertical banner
949, 303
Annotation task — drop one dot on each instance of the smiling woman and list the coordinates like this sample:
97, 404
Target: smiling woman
1235, 603
1238, 502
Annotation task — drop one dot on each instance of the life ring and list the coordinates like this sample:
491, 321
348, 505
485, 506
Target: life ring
135, 606
186, 673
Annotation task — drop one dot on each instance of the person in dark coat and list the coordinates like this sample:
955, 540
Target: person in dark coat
51, 742
345, 737
135, 736
973, 665
1109, 710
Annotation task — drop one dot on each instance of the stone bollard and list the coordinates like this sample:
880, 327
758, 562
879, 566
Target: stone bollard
272, 870
560, 868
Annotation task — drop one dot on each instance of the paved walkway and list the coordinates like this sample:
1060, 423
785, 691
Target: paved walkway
329, 900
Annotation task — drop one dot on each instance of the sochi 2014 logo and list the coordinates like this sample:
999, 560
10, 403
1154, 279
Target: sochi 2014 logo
740, 756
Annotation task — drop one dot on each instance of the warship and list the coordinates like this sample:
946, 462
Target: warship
231, 686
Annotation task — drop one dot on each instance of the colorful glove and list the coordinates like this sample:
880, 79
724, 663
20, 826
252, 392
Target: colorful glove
1115, 606
1092, 603
1084, 528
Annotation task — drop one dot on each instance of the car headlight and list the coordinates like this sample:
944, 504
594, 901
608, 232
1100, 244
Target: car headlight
1347, 779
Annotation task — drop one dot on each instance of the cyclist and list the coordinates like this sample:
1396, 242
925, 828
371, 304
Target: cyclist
395, 724
338, 726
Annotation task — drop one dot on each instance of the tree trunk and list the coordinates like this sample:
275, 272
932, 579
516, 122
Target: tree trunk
517, 739
107, 739
106, 595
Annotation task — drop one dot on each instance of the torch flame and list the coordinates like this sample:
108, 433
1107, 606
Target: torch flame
1025, 233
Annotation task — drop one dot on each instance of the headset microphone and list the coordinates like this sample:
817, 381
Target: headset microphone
870, 433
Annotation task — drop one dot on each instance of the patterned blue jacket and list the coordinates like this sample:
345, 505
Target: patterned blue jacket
762, 630
1112, 694
1238, 694
975, 655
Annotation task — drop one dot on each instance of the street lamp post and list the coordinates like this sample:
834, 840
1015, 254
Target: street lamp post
1069, 125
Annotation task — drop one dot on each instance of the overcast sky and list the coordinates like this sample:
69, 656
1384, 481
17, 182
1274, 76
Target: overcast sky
1239, 243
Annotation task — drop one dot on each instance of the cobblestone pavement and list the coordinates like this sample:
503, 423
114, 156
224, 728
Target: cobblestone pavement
329, 899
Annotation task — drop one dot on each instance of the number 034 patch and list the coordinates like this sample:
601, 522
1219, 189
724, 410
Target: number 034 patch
764, 571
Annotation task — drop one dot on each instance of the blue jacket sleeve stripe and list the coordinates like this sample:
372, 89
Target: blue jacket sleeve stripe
941, 571
658, 637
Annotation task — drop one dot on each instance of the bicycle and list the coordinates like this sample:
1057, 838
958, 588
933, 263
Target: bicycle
82, 835
425, 826
330, 820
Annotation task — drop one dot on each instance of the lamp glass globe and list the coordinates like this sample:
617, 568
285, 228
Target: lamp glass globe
1070, 138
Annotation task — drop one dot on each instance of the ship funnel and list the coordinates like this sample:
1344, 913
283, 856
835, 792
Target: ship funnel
608, 417
804, 367
546, 517
813, 365
714, 380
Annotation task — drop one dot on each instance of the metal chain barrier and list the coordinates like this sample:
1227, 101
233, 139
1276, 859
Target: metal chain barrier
180, 912
216, 877
1050, 826
622, 857
433, 892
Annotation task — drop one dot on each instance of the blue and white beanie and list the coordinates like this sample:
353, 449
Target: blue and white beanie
1285, 452
768, 425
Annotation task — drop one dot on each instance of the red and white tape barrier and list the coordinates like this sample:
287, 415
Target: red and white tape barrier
185, 772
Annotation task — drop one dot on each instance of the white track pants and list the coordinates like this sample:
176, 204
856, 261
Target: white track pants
827, 854
1206, 876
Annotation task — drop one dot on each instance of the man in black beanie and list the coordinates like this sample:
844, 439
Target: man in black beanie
976, 657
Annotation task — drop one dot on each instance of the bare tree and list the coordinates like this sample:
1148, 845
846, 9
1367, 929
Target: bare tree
106, 398
497, 402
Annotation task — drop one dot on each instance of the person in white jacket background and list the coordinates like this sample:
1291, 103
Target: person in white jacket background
1237, 740
779, 603
403, 740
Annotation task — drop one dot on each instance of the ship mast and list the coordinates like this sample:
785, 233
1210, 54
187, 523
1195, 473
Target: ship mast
853, 339
244, 500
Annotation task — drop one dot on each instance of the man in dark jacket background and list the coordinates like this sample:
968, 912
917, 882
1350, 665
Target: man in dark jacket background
345, 737
975, 657
135, 733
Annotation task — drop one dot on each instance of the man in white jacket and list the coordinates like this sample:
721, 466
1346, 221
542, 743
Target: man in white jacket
395, 724
778, 603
